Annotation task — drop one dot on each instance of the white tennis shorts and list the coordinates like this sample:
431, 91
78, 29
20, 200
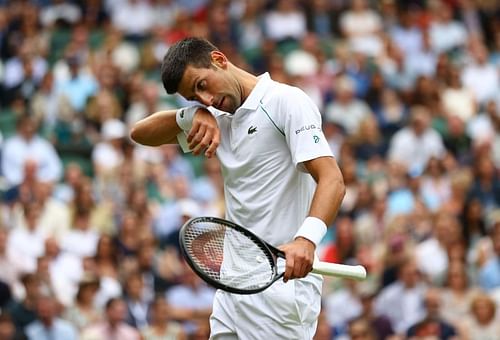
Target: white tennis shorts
282, 311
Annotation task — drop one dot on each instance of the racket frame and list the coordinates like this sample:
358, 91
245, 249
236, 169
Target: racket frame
272, 253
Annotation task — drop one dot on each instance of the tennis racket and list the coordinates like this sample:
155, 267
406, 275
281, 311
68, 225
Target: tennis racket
230, 257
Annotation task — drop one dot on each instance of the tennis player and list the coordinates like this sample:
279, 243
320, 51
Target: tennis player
280, 178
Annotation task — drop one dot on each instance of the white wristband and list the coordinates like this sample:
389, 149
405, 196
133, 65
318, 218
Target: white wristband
313, 229
184, 117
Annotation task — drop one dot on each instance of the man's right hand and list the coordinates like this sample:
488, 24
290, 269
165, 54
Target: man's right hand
205, 134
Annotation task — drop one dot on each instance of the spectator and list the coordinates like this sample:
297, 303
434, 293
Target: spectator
65, 271
446, 33
344, 248
106, 262
433, 320
134, 17
391, 113
489, 274
26, 145
456, 140
380, 323
65, 190
137, 305
486, 185
223, 30
341, 306
481, 128
161, 325
482, 323
407, 34
26, 67
27, 244
129, 236
78, 86
101, 211
55, 216
360, 328
60, 12
322, 18
148, 101
361, 26
23, 312
435, 187
423, 62
107, 156
369, 142
81, 240
8, 329
147, 265
481, 77
401, 301
191, 300
284, 22
415, 144
347, 110
48, 326
473, 223
114, 326
171, 217
8, 263
432, 254
83, 311
458, 100
457, 294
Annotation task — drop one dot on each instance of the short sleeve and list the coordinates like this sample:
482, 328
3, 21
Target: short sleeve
302, 127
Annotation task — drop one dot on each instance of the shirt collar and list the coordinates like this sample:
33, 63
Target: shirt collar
253, 100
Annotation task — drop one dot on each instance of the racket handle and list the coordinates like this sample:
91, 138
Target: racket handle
341, 270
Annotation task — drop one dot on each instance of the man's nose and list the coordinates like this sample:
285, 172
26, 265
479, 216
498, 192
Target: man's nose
206, 98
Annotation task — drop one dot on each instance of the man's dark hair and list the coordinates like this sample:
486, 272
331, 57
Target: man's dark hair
189, 51
111, 301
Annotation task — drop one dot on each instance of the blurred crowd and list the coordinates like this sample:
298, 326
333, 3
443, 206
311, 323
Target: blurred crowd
410, 97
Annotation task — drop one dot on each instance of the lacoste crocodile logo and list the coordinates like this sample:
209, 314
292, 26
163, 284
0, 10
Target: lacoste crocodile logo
252, 130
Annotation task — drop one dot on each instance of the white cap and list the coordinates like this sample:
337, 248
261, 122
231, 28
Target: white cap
189, 208
113, 129
126, 57
301, 63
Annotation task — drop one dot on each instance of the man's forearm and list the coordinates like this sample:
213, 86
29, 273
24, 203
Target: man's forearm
157, 129
327, 199
330, 189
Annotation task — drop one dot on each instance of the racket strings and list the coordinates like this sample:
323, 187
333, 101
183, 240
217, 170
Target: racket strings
229, 256
206, 249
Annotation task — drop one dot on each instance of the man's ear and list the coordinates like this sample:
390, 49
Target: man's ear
219, 59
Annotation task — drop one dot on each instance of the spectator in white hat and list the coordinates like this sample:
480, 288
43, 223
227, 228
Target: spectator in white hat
107, 155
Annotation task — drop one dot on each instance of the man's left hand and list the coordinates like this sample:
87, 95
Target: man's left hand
299, 258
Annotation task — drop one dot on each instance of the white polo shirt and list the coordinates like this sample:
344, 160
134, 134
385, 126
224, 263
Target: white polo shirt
262, 147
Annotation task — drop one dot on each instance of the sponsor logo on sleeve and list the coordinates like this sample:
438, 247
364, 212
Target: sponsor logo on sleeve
307, 128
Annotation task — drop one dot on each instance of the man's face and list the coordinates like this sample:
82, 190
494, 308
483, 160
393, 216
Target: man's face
117, 312
213, 86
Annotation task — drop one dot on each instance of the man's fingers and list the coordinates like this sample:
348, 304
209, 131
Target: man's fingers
203, 144
213, 144
204, 134
289, 269
196, 136
301, 269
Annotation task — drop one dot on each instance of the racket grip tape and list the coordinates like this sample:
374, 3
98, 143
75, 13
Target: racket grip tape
357, 272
